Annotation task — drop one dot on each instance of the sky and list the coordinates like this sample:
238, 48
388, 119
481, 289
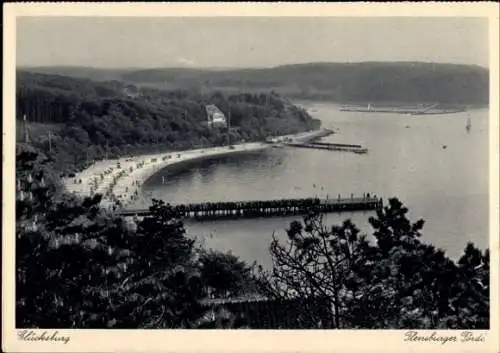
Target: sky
239, 42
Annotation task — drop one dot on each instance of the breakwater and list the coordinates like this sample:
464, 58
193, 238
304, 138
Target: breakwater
268, 208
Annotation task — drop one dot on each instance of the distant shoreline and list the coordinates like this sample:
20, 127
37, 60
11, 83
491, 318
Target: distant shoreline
307, 102
340, 82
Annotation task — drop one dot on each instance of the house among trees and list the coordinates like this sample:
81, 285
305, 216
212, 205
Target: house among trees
131, 91
215, 116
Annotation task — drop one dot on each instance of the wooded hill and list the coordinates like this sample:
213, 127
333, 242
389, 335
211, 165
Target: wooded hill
90, 120
337, 82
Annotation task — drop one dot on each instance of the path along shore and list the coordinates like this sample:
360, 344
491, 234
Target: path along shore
120, 180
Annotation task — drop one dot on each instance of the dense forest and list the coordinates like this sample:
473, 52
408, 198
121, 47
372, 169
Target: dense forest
337, 82
90, 120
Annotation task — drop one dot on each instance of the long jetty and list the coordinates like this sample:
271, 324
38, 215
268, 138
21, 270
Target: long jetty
331, 147
309, 140
268, 208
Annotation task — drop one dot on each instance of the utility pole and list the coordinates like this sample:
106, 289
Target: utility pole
50, 141
229, 128
25, 128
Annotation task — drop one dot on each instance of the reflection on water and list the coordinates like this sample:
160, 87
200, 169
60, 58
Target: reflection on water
447, 187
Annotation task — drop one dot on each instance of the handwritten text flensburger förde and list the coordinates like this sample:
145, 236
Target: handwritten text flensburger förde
443, 338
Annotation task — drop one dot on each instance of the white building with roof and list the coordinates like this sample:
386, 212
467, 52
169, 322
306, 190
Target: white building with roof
215, 116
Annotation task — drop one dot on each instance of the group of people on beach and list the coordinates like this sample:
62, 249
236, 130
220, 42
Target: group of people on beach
131, 192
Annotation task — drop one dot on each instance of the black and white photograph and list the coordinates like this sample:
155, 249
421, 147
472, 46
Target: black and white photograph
252, 173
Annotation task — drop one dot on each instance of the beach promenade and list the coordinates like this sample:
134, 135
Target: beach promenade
120, 180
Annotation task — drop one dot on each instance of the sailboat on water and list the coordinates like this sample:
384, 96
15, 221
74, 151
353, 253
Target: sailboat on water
468, 126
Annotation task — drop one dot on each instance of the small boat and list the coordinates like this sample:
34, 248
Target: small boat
445, 147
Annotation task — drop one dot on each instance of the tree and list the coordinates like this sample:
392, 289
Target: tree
81, 267
46, 261
225, 275
394, 281
77, 133
173, 117
162, 277
469, 307
315, 262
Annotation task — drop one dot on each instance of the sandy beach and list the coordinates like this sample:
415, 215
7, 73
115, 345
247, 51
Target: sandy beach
121, 179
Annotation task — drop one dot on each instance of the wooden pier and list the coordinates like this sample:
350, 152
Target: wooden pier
269, 208
331, 146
